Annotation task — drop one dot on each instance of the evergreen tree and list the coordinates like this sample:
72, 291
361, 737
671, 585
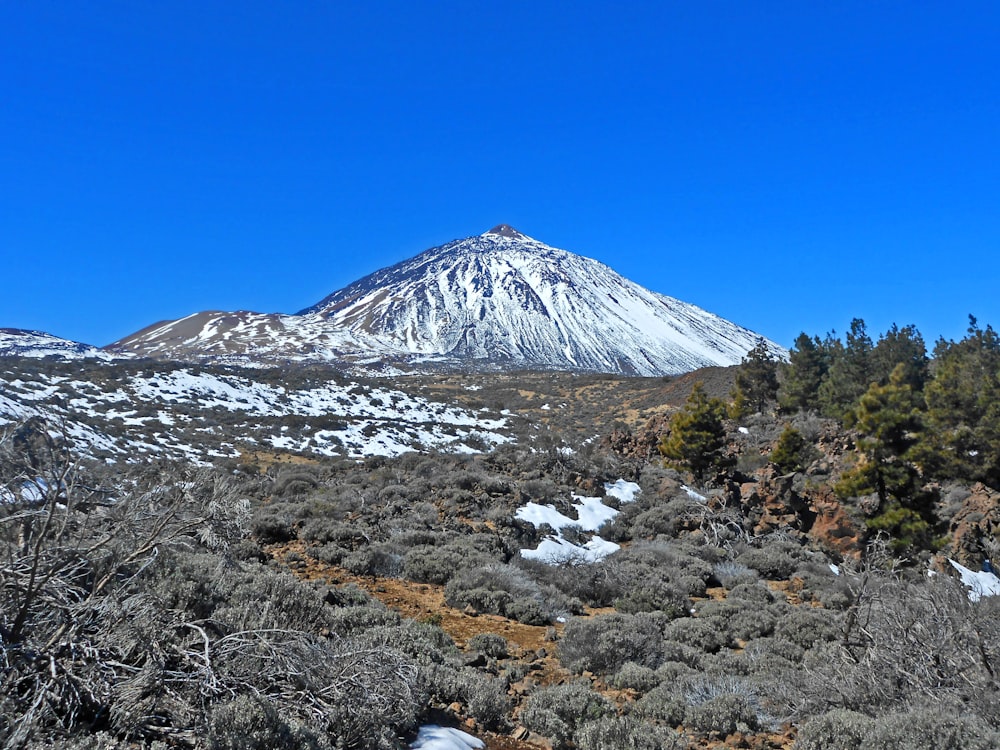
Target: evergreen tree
850, 372
889, 419
803, 375
756, 380
963, 408
792, 451
697, 436
901, 346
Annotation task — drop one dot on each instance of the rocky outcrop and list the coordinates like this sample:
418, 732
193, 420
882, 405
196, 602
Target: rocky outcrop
974, 530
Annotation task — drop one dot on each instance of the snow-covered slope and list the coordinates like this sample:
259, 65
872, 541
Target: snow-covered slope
16, 342
137, 411
499, 299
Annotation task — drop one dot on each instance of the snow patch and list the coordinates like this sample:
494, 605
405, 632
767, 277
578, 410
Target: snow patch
979, 583
693, 495
433, 737
591, 513
626, 492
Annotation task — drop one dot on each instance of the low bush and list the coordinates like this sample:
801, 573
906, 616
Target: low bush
775, 560
433, 564
738, 618
704, 633
723, 705
931, 728
805, 626
557, 712
839, 728
508, 591
625, 733
730, 573
632, 676
663, 703
483, 696
253, 723
490, 644
603, 644
378, 560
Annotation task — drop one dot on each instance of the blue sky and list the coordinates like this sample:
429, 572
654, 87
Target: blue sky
787, 165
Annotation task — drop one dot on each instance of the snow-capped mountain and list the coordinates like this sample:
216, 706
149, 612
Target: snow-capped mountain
500, 299
17, 342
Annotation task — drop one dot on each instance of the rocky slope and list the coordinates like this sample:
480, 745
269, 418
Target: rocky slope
17, 342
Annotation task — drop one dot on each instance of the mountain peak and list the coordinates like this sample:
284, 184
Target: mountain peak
496, 300
506, 230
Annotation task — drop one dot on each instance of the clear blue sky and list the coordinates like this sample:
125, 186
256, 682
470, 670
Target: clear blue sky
786, 165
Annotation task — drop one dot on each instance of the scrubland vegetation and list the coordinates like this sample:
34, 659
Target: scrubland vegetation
771, 589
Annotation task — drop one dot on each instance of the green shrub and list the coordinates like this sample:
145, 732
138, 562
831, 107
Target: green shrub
931, 728
604, 643
374, 561
723, 715
625, 733
249, 723
838, 729
738, 618
706, 634
664, 704
484, 697
510, 592
490, 644
805, 626
557, 712
433, 564
775, 560
730, 573
636, 677
723, 705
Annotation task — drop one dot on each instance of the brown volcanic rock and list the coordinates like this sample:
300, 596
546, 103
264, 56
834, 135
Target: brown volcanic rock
975, 528
833, 527
774, 502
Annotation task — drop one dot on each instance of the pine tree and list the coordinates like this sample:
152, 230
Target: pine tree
792, 451
889, 419
900, 346
850, 372
963, 408
756, 381
803, 375
697, 436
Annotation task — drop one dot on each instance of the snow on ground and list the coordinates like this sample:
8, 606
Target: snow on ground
692, 494
555, 550
591, 515
591, 512
365, 420
433, 737
626, 492
980, 583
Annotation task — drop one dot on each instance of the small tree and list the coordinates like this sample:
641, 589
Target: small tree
889, 420
963, 408
792, 452
803, 375
756, 381
697, 436
850, 372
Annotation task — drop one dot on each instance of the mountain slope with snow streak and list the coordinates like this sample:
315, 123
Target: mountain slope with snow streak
499, 300
17, 342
